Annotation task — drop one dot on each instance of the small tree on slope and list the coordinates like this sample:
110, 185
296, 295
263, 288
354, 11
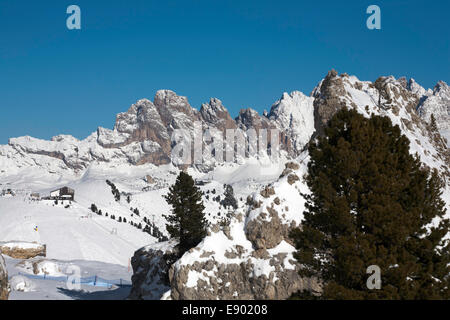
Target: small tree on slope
372, 203
186, 221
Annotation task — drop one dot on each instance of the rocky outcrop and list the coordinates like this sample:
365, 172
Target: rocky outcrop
327, 100
268, 230
252, 257
23, 250
251, 119
151, 265
215, 115
4, 287
239, 281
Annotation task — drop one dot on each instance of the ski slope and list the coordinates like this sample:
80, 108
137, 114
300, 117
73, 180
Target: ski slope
76, 233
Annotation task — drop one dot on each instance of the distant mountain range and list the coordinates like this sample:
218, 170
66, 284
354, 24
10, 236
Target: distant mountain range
143, 133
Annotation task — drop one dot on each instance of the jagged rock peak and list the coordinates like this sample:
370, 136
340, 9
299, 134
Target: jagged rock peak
332, 74
214, 104
442, 88
416, 88
250, 118
287, 104
214, 112
169, 99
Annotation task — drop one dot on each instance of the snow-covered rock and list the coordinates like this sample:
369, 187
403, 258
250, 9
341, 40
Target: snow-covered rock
294, 115
4, 286
216, 115
150, 270
252, 256
22, 249
387, 97
21, 283
437, 103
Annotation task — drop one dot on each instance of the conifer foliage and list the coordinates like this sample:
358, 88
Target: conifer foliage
187, 220
372, 203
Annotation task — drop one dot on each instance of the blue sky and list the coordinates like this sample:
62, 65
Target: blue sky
246, 53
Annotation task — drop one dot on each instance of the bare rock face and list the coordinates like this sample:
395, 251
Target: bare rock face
292, 178
290, 167
327, 99
267, 192
150, 271
251, 119
4, 287
268, 230
214, 114
149, 179
23, 250
247, 275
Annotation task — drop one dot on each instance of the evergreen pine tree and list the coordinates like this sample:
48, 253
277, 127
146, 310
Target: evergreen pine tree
229, 199
433, 124
186, 221
372, 203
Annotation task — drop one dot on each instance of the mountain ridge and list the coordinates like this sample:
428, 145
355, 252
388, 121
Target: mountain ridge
142, 134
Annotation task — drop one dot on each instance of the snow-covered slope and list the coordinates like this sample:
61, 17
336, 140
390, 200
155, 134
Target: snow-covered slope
295, 112
76, 232
436, 102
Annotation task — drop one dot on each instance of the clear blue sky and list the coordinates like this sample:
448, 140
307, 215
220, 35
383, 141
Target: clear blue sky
53, 80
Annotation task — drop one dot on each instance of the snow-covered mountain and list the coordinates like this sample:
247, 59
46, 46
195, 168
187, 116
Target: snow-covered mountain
143, 134
251, 256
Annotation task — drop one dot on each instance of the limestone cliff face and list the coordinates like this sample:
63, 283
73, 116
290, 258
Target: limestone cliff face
4, 288
215, 115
